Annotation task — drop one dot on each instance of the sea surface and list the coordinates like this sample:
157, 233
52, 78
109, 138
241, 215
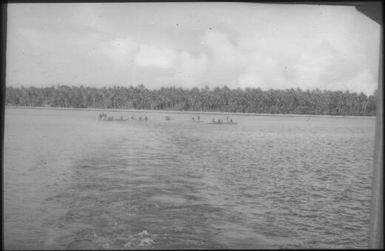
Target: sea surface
74, 182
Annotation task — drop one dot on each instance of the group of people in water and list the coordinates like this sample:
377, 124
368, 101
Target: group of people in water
103, 116
198, 118
139, 118
220, 121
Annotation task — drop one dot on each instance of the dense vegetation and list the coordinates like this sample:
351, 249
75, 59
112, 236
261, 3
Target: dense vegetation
218, 99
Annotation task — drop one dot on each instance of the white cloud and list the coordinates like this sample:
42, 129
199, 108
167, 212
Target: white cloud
291, 60
120, 49
191, 68
356, 84
301, 46
225, 53
155, 56
91, 16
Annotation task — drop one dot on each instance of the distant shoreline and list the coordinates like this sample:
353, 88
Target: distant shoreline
184, 112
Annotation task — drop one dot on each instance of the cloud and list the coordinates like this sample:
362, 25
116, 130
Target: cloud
290, 60
266, 46
191, 69
90, 16
155, 56
224, 51
356, 84
263, 72
120, 50
324, 66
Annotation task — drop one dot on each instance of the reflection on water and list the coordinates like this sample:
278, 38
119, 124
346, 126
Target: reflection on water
73, 182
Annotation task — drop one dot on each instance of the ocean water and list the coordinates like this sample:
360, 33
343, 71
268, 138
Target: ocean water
73, 182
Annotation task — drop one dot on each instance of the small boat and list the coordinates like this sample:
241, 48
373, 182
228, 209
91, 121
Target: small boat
223, 123
115, 119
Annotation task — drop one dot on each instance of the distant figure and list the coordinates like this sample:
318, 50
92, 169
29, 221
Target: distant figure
231, 120
145, 118
140, 118
121, 117
193, 118
132, 117
102, 116
168, 117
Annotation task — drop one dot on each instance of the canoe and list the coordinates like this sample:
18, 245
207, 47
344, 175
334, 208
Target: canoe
114, 119
216, 123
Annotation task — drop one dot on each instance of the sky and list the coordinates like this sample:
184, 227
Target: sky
239, 45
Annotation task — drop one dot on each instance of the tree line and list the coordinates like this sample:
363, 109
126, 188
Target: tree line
223, 99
